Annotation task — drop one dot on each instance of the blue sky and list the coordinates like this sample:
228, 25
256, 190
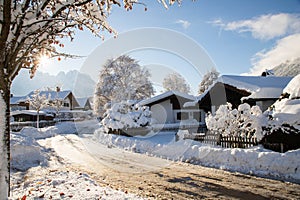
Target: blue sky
238, 36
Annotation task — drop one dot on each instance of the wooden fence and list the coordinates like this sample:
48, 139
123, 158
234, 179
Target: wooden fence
238, 142
223, 141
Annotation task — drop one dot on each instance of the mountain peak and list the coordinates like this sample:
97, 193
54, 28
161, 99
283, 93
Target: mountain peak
81, 84
288, 68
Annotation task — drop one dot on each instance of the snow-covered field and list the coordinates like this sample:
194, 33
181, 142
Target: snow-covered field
39, 180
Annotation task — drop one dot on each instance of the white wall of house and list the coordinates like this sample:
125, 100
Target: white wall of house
187, 114
264, 105
163, 113
66, 104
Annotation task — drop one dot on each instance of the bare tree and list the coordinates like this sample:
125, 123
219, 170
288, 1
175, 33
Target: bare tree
121, 79
30, 29
208, 80
38, 101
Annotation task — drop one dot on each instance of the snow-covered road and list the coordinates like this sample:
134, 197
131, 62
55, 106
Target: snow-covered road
99, 158
154, 177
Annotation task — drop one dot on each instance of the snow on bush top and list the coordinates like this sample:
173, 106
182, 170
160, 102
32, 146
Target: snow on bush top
245, 121
126, 115
287, 110
293, 88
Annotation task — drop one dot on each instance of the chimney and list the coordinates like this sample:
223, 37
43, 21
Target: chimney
57, 89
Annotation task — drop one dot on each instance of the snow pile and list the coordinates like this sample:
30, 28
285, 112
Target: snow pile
256, 160
81, 127
145, 144
126, 115
287, 109
293, 88
25, 152
65, 185
245, 121
76, 115
45, 180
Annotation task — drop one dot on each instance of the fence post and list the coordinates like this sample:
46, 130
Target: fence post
281, 147
219, 138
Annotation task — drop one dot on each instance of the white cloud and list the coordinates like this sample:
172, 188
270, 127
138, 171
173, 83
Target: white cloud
185, 24
265, 27
287, 48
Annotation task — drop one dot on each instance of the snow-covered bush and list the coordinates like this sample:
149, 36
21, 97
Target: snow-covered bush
245, 121
284, 119
286, 110
125, 115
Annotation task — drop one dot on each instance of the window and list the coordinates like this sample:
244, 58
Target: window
182, 115
197, 116
66, 104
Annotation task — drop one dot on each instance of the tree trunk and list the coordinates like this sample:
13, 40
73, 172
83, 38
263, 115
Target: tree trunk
4, 138
37, 119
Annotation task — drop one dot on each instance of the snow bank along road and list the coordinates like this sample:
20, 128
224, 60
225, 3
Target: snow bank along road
161, 179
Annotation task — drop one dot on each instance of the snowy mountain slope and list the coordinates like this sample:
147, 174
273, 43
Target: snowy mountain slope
81, 84
289, 68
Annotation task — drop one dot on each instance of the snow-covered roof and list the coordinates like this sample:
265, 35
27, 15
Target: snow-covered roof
260, 87
165, 95
27, 112
287, 110
265, 93
53, 94
82, 101
293, 88
16, 100
255, 83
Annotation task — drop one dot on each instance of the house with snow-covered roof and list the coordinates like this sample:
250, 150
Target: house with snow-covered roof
30, 115
254, 90
85, 103
68, 100
18, 103
167, 108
